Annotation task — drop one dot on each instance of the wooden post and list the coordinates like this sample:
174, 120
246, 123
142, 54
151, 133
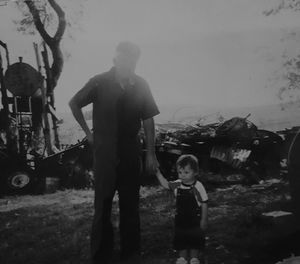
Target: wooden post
6, 51
50, 93
44, 101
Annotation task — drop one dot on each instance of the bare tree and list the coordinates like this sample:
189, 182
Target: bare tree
52, 42
48, 18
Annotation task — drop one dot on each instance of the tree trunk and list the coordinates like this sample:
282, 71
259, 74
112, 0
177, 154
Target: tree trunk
52, 42
50, 94
47, 136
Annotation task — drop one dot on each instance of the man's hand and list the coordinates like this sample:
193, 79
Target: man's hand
203, 224
151, 163
90, 138
77, 112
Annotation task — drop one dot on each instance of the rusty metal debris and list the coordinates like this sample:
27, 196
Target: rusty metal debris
235, 145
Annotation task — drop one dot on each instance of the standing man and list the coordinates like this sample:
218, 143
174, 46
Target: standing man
121, 101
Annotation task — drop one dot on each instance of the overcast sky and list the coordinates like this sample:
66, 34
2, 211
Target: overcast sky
210, 52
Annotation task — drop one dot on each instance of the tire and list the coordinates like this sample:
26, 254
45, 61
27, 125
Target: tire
19, 182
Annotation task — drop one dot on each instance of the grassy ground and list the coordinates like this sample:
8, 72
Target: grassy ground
54, 228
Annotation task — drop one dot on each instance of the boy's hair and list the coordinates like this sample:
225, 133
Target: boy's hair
188, 159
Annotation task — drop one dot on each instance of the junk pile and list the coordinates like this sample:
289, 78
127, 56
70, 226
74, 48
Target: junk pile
233, 146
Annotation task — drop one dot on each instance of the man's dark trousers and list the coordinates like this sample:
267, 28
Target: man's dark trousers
122, 174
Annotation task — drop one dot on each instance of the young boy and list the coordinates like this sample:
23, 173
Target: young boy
191, 209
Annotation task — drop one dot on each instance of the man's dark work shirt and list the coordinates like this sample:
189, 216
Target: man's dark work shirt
117, 111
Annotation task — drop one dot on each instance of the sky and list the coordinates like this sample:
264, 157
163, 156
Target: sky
212, 53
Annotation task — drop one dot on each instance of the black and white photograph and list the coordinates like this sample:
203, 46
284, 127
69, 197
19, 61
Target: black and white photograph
149, 132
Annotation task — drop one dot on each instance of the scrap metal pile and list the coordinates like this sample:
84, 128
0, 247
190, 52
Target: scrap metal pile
233, 146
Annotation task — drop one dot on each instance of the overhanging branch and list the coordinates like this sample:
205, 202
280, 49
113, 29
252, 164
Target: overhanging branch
52, 42
61, 20
37, 21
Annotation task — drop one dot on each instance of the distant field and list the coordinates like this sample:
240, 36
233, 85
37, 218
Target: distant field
272, 117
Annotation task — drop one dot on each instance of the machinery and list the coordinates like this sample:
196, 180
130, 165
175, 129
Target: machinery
20, 120
29, 147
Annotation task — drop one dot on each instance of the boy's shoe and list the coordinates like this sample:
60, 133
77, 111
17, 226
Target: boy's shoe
194, 261
181, 260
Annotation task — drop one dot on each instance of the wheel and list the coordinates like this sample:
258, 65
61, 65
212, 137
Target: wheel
19, 182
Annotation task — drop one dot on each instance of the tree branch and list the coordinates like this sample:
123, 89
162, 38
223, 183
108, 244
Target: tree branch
58, 61
61, 20
57, 64
52, 42
37, 22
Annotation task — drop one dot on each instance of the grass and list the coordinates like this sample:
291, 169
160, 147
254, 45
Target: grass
54, 228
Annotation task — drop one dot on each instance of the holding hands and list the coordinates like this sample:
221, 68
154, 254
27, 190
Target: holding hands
151, 163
